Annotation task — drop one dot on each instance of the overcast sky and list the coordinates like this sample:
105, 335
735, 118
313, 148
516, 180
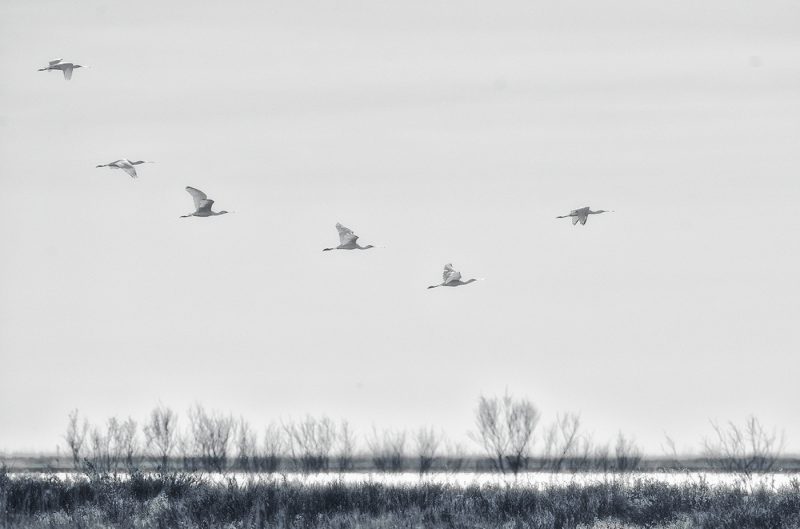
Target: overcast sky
444, 131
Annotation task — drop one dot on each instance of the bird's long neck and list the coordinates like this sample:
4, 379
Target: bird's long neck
468, 281
367, 247
434, 286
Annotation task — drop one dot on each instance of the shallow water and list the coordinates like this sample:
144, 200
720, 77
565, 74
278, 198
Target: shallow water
463, 479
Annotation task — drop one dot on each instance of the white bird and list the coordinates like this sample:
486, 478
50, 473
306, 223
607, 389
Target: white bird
126, 165
202, 204
582, 215
65, 67
347, 240
452, 278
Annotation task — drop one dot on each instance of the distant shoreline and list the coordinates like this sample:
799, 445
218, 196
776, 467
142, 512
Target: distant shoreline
364, 465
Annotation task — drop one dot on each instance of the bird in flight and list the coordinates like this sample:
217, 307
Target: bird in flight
65, 67
582, 215
452, 278
347, 240
126, 165
202, 204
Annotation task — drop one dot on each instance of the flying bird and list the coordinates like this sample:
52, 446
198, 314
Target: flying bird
65, 67
582, 215
452, 278
126, 165
202, 204
347, 240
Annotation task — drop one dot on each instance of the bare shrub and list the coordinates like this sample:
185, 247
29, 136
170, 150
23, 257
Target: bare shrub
426, 444
505, 430
387, 450
743, 449
184, 446
671, 451
246, 447
562, 442
346, 447
161, 434
310, 442
212, 432
274, 444
75, 437
107, 446
455, 456
128, 442
602, 459
627, 454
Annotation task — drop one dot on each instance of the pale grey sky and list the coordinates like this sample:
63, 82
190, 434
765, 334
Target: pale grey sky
445, 131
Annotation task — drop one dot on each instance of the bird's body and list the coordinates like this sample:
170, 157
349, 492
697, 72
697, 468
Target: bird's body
452, 278
202, 204
347, 240
581, 215
126, 165
65, 67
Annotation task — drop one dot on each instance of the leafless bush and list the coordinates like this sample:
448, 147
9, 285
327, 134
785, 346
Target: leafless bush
743, 449
387, 450
108, 446
455, 456
161, 434
627, 454
212, 432
128, 442
246, 447
671, 451
602, 459
310, 443
564, 445
274, 445
184, 445
505, 430
345, 447
75, 437
426, 445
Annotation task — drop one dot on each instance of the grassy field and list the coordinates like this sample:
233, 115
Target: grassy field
189, 501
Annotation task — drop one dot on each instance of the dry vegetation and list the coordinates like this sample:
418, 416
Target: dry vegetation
190, 501
508, 436
143, 477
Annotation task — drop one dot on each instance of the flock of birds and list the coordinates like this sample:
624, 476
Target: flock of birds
347, 239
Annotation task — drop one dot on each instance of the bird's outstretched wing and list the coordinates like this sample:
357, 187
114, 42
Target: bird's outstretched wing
575, 219
199, 197
584, 218
450, 274
205, 205
346, 235
131, 170
55, 61
67, 72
